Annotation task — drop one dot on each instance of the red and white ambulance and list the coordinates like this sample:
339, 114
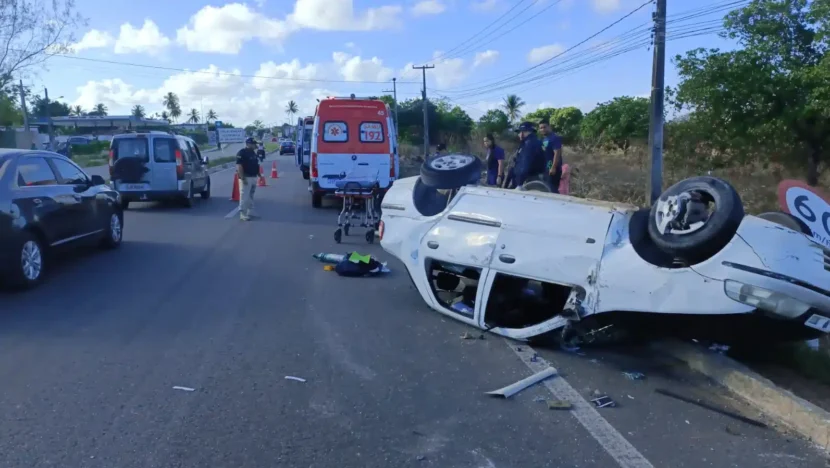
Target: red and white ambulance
352, 137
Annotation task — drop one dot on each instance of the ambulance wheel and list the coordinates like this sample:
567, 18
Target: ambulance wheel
338, 235
370, 236
346, 229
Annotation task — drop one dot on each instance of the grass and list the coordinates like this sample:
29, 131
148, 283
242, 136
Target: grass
271, 147
90, 160
220, 161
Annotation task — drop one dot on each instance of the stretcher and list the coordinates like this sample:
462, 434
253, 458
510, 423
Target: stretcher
360, 199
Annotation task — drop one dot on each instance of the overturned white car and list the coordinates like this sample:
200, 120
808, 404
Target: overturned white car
527, 264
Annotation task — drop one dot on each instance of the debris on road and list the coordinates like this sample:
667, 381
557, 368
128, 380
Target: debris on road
328, 267
297, 379
353, 264
604, 401
710, 407
559, 405
468, 336
184, 389
634, 375
510, 390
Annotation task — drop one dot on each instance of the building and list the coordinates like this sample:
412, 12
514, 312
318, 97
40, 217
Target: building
105, 123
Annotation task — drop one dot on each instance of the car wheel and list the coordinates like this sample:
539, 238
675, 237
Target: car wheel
451, 171
31, 262
787, 220
125, 204
695, 218
205, 194
536, 186
316, 199
305, 175
114, 231
187, 201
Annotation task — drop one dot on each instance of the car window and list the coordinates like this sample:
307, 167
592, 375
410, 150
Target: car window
130, 148
32, 172
197, 153
335, 131
191, 150
371, 132
69, 173
164, 150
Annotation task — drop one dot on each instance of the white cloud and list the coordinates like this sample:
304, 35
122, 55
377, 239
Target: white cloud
485, 58
354, 68
93, 39
485, 5
428, 7
446, 74
605, 6
225, 29
147, 40
540, 54
340, 15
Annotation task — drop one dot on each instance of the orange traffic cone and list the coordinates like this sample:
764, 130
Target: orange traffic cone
274, 174
235, 189
261, 182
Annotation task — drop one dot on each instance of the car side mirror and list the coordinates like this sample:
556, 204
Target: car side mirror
98, 180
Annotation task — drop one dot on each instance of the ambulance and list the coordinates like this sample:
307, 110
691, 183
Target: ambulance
352, 137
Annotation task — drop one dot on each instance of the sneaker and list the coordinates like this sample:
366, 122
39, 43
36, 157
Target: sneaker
245, 218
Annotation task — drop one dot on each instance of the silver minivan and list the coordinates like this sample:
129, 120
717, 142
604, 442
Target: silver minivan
149, 166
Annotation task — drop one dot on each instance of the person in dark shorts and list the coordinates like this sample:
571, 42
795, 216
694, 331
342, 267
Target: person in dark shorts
552, 148
247, 169
495, 161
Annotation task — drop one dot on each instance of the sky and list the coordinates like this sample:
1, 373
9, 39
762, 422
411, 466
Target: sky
246, 60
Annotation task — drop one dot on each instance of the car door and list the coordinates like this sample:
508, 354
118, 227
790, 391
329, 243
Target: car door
43, 201
463, 241
165, 177
199, 169
87, 214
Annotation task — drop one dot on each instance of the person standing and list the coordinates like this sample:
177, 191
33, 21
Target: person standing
552, 147
247, 169
530, 162
495, 161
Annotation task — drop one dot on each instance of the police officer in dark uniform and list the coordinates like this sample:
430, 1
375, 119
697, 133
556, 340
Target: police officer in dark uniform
530, 159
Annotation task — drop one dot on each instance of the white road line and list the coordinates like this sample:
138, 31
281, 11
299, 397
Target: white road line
233, 213
620, 449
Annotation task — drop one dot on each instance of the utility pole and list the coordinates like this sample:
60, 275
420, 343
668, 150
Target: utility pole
424, 69
655, 133
394, 92
23, 106
49, 121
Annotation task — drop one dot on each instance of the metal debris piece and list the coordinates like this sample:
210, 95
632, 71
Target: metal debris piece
184, 389
467, 336
604, 401
732, 431
297, 379
559, 404
534, 358
634, 375
512, 389
710, 407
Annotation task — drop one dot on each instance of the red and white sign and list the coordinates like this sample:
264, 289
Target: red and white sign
335, 131
371, 132
808, 204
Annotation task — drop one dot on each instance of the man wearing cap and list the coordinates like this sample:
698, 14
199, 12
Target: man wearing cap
530, 161
247, 169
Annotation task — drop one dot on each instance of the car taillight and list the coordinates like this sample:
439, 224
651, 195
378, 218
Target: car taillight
313, 164
381, 228
111, 161
391, 165
179, 164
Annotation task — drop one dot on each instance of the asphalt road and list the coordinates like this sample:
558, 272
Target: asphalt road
89, 361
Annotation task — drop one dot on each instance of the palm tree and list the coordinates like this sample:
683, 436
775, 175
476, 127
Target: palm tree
165, 116
290, 109
170, 101
175, 112
77, 111
193, 116
258, 124
512, 105
138, 111
100, 109
211, 115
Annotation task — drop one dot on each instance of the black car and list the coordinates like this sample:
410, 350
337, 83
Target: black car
287, 147
47, 202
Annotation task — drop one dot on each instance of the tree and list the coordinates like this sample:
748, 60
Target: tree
171, 103
77, 111
211, 115
290, 109
9, 113
165, 116
617, 122
193, 116
176, 112
56, 108
99, 110
138, 111
494, 121
512, 106
771, 94
31, 31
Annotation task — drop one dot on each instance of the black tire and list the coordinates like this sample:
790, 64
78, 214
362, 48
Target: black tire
125, 204
187, 201
112, 239
305, 174
787, 220
17, 278
316, 199
205, 194
338, 235
450, 177
536, 186
346, 229
718, 230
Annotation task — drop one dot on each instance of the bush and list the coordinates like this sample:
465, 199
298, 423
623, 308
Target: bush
94, 147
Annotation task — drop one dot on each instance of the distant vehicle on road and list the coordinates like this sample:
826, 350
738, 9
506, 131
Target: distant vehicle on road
155, 165
287, 147
47, 202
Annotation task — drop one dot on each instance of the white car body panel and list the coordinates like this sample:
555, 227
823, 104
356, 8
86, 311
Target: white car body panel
585, 243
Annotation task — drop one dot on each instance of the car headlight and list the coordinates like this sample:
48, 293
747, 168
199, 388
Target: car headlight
764, 299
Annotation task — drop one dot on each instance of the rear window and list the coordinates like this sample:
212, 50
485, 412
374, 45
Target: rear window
307, 135
335, 131
164, 150
371, 132
130, 148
